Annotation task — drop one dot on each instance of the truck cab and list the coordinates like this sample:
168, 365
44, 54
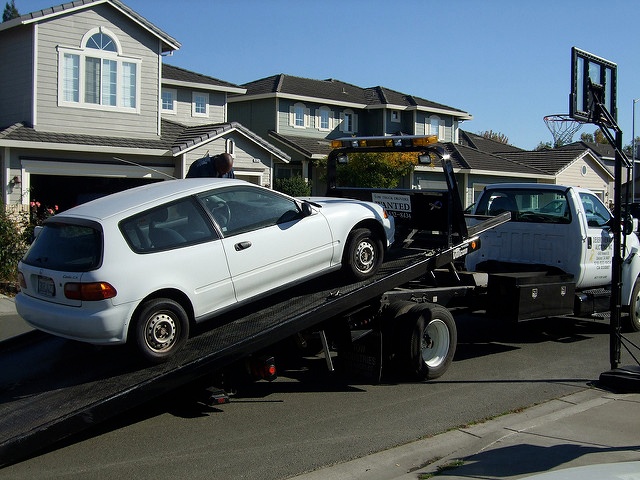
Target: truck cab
556, 229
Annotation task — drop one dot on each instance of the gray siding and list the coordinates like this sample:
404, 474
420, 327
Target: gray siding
311, 131
256, 115
183, 115
67, 31
16, 76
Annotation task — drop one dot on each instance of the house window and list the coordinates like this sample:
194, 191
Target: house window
169, 100
436, 127
395, 116
200, 104
299, 116
324, 118
230, 147
348, 122
98, 75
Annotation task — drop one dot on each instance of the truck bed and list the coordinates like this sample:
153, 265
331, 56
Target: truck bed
52, 388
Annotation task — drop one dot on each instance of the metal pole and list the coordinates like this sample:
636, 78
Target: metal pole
633, 151
616, 267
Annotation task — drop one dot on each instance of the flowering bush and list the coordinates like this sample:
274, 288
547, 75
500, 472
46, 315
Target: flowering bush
14, 238
16, 233
39, 212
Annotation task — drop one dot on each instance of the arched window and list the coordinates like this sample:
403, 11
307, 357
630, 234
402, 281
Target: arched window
324, 117
98, 75
348, 121
299, 115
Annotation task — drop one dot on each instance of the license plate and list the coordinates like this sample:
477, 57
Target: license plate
46, 287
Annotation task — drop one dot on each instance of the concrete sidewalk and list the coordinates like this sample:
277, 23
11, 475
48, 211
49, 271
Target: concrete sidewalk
587, 428
11, 324
590, 427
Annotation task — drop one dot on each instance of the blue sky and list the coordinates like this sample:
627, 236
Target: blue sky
506, 62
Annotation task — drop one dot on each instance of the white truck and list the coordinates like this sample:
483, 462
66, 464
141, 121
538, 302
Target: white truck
554, 256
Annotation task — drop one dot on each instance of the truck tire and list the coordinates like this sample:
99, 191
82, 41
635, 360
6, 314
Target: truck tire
363, 254
428, 341
161, 328
632, 322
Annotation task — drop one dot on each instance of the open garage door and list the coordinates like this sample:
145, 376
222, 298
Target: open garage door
69, 191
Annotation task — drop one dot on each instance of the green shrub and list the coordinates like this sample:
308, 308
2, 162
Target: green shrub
14, 233
294, 186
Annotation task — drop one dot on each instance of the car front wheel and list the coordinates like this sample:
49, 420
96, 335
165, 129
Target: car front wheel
632, 322
363, 254
161, 329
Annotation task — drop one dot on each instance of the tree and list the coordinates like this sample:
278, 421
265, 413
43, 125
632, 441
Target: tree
587, 137
628, 149
544, 146
495, 136
10, 11
596, 137
374, 170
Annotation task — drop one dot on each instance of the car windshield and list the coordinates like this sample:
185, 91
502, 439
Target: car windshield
538, 206
66, 247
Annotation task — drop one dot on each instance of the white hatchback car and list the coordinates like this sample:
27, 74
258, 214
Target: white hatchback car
143, 265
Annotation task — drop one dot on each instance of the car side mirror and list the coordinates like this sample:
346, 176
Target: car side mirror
306, 209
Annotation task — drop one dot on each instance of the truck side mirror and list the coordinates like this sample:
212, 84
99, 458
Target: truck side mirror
629, 224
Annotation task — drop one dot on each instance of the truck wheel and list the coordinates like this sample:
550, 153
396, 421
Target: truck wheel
632, 322
429, 342
161, 329
363, 254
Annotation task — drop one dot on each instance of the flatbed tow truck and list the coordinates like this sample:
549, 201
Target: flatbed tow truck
51, 388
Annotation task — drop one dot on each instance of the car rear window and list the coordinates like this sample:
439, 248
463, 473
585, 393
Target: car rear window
66, 247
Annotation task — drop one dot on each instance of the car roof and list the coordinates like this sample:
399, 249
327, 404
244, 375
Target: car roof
139, 198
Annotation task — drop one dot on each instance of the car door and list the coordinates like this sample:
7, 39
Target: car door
268, 241
598, 253
182, 251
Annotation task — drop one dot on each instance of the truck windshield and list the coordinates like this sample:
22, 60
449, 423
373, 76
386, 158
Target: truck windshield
527, 205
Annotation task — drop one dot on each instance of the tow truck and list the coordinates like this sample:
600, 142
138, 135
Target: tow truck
397, 322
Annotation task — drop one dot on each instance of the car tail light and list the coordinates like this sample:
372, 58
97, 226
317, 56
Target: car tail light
21, 281
89, 291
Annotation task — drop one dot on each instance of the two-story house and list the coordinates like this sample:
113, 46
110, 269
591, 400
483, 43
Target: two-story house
301, 116
88, 108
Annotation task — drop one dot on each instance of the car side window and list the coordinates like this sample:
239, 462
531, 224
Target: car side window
168, 226
238, 210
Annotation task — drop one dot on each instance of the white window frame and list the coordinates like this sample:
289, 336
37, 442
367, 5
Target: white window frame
294, 110
436, 123
230, 147
174, 101
348, 121
78, 81
194, 104
322, 111
395, 116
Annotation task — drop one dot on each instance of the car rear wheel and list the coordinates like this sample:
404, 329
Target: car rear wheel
363, 254
161, 329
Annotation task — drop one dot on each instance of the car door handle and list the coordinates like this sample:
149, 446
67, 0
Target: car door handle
242, 246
